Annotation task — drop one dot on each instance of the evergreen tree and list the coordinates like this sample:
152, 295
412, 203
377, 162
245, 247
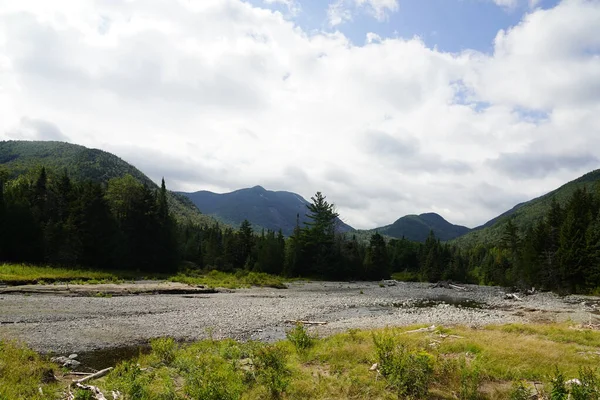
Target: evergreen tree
377, 262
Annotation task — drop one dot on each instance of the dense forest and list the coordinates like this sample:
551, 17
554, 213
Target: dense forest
47, 217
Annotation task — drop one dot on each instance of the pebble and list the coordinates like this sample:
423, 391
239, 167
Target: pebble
65, 325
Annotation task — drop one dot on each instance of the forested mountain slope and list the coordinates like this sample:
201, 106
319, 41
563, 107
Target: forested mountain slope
418, 227
526, 215
82, 163
263, 208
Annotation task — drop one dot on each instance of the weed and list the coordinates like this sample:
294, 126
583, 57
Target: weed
408, 372
559, 387
213, 378
164, 349
520, 391
589, 388
271, 369
300, 338
470, 380
82, 394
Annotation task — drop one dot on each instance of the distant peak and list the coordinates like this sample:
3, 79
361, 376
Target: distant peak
259, 188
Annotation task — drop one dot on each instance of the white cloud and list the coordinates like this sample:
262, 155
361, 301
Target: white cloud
293, 6
512, 4
220, 94
341, 11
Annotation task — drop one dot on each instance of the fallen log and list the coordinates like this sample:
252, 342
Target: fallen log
95, 375
429, 329
303, 322
98, 395
448, 285
512, 296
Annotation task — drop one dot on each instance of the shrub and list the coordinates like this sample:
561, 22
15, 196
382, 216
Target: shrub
588, 389
271, 369
128, 378
300, 338
213, 378
164, 349
559, 387
408, 372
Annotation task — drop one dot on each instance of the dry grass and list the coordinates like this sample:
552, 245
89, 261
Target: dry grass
467, 363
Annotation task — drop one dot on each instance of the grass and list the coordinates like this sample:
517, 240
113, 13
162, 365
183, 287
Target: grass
406, 276
496, 362
239, 279
23, 274
25, 375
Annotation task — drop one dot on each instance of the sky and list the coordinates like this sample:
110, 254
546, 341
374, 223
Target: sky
388, 107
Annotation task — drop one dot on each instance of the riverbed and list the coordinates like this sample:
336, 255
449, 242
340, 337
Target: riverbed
63, 324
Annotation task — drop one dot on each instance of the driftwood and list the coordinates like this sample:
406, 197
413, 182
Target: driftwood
98, 395
303, 322
448, 285
95, 375
429, 329
512, 296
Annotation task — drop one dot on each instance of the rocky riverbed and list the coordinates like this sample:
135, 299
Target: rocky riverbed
65, 324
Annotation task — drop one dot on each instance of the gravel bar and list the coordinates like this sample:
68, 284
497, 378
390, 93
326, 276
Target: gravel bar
65, 324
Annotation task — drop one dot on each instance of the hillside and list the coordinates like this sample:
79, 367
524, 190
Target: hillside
83, 163
263, 208
525, 215
417, 228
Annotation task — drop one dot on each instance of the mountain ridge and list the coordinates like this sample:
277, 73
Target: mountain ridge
81, 162
263, 208
526, 214
417, 227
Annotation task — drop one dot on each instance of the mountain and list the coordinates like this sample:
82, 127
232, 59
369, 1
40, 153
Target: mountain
263, 208
83, 163
417, 228
526, 215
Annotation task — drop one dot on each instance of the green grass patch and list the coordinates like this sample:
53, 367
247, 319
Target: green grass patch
238, 279
406, 276
23, 274
497, 362
25, 375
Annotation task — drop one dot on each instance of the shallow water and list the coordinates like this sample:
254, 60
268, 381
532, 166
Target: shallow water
96, 360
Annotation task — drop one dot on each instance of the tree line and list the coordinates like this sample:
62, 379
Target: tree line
46, 217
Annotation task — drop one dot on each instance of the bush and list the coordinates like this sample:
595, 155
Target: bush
271, 369
559, 387
128, 378
300, 338
164, 349
212, 378
408, 372
589, 388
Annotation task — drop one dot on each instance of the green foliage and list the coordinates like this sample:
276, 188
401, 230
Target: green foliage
213, 378
408, 372
165, 349
83, 164
520, 391
82, 394
300, 338
470, 379
589, 387
23, 372
271, 369
559, 387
